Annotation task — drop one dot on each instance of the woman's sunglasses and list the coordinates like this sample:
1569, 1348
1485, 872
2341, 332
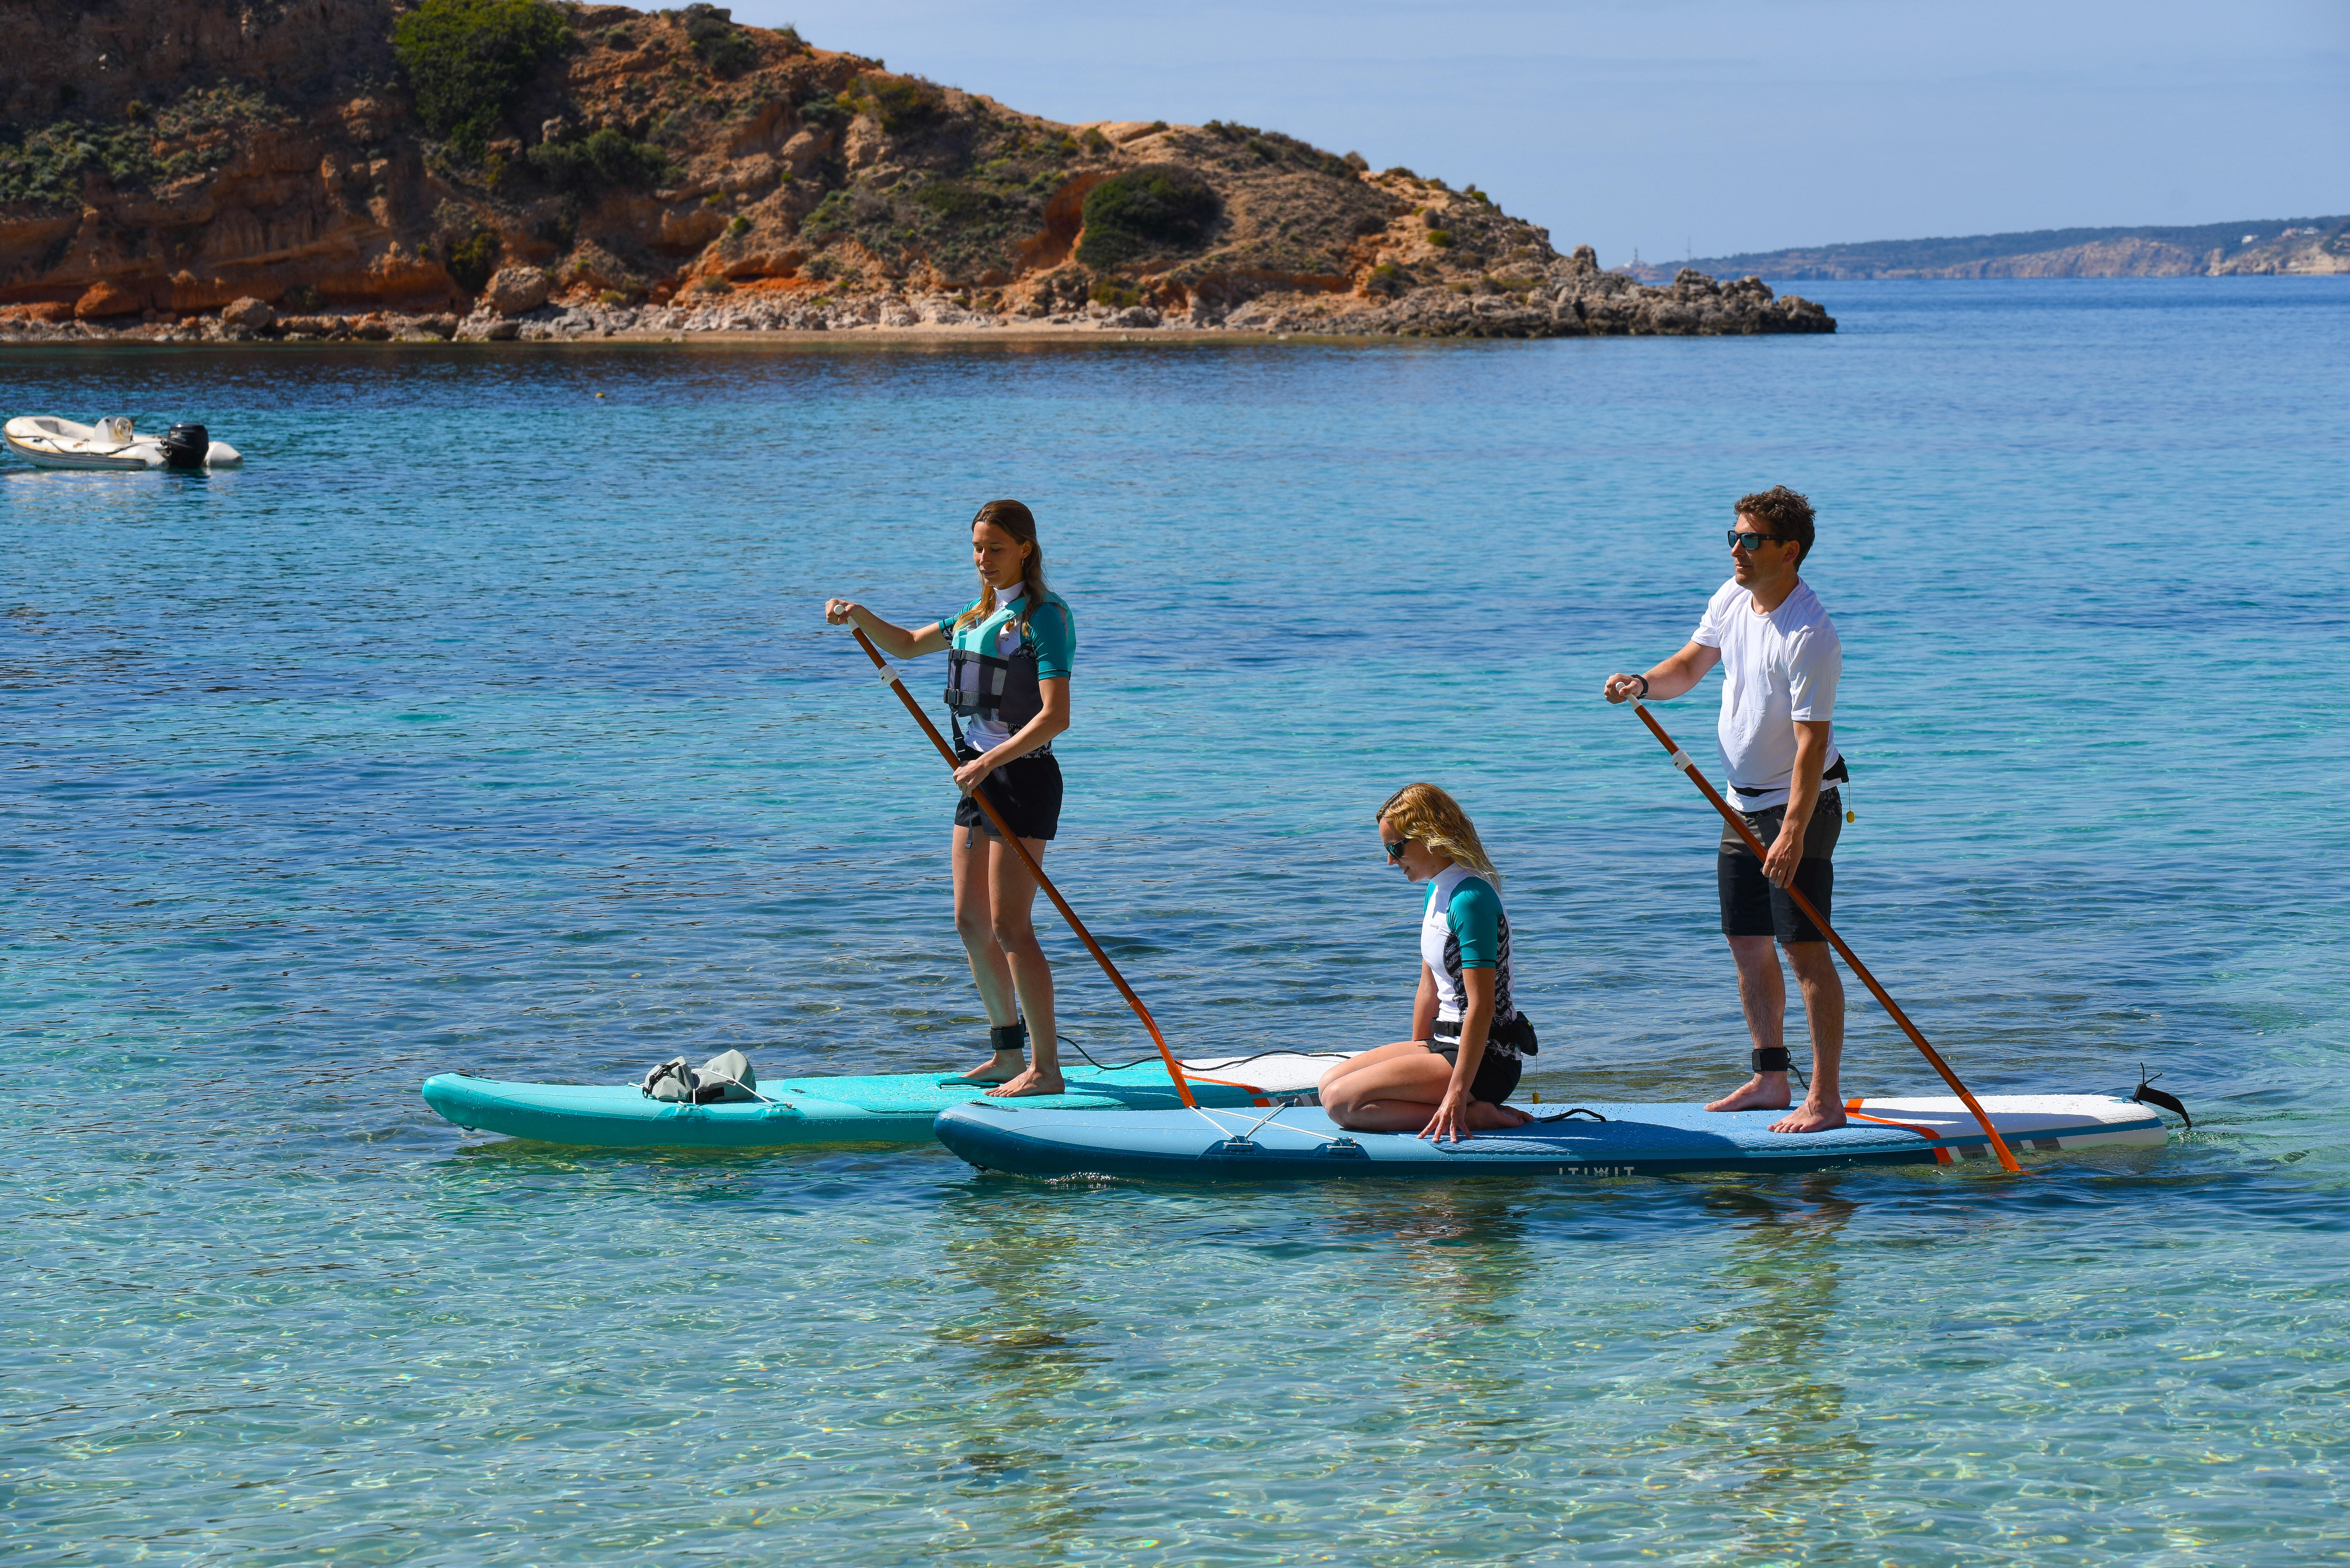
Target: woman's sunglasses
1739, 541
1395, 850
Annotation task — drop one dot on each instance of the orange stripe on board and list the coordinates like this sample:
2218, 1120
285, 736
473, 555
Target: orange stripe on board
1928, 1134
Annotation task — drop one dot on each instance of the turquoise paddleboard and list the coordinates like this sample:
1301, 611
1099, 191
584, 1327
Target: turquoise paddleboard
1032, 1138
895, 1107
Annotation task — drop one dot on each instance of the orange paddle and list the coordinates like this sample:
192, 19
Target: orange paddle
1730, 814
897, 684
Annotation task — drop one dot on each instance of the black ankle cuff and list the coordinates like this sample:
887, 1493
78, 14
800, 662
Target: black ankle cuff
1014, 1036
1772, 1060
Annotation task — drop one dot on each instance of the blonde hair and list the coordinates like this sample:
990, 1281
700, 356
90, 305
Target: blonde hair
1424, 812
1020, 523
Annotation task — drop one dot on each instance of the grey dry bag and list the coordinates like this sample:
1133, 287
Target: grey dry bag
728, 1075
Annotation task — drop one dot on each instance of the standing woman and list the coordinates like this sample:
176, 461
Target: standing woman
1466, 1038
1008, 655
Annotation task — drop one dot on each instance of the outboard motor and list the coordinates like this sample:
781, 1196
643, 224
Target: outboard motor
184, 446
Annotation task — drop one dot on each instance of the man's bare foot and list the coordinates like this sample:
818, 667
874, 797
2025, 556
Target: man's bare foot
1763, 1092
1000, 1068
1484, 1118
1031, 1082
1816, 1116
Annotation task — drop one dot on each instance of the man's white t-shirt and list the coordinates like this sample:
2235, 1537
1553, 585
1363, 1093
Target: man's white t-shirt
1775, 669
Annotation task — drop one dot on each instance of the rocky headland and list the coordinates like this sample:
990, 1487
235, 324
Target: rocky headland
518, 168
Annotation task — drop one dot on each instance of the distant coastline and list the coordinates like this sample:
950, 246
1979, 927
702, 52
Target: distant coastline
2257, 247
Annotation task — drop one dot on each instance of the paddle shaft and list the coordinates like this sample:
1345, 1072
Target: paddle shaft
1012, 841
1730, 814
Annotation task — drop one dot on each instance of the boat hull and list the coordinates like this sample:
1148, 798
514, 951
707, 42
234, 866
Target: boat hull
47, 456
47, 441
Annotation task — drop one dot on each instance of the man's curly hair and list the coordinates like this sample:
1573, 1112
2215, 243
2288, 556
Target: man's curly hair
1781, 513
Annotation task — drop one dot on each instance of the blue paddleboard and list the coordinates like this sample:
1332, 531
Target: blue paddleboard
895, 1107
1301, 1143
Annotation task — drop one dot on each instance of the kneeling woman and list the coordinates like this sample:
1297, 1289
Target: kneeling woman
1464, 1056
1008, 685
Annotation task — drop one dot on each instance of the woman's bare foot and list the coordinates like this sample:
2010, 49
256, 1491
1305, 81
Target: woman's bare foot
1816, 1116
1484, 1118
1000, 1068
1031, 1082
1763, 1092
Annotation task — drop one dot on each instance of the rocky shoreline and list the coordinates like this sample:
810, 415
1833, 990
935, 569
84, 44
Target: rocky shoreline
1578, 301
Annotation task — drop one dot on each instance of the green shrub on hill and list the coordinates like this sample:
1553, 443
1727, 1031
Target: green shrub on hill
954, 201
1146, 212
468, 61
605, 160
710, 32
966, 228
899, 103
1274, 147
46, 165
471, 261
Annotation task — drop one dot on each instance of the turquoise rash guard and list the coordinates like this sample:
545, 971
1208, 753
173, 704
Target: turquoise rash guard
1464, 926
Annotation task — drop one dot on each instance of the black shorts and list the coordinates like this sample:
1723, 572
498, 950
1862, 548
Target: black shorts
1751, 905
1026, 790
1497, 1074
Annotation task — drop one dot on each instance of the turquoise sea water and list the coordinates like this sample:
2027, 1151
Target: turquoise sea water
485, 722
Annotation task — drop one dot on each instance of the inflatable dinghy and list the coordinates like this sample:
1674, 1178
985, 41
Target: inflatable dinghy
53, 442
1030, 1139
899, 1107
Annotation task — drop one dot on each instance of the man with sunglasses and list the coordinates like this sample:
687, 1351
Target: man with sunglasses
1779, 660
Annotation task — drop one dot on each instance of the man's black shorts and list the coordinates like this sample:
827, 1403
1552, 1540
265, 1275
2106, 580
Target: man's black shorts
1751, 905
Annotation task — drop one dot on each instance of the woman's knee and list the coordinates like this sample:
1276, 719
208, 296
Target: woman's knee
1014, 935
976, 926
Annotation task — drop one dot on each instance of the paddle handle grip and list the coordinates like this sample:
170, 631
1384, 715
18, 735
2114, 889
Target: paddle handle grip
896, 683
1731, 816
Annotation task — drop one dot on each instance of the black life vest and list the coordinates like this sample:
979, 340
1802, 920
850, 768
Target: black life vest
981, 685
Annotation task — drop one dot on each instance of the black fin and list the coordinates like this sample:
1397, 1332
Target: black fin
2147, 1094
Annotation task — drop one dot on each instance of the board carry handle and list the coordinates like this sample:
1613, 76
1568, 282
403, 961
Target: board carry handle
1681, 761
896, 682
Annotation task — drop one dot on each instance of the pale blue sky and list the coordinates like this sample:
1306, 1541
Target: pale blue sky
1724, 125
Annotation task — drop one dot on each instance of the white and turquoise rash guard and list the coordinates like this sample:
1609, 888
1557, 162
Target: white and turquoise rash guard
1462, 928
1049, 637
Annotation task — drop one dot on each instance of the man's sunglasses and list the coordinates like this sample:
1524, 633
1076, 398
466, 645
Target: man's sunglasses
1395, 850
1739, 541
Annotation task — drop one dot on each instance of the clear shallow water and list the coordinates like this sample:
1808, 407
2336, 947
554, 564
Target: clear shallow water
484, 723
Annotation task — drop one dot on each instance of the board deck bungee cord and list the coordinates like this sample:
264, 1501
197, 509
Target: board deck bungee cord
1302, 1143
888, 1108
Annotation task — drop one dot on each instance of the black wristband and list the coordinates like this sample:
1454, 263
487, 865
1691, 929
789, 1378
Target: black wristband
1644, 685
